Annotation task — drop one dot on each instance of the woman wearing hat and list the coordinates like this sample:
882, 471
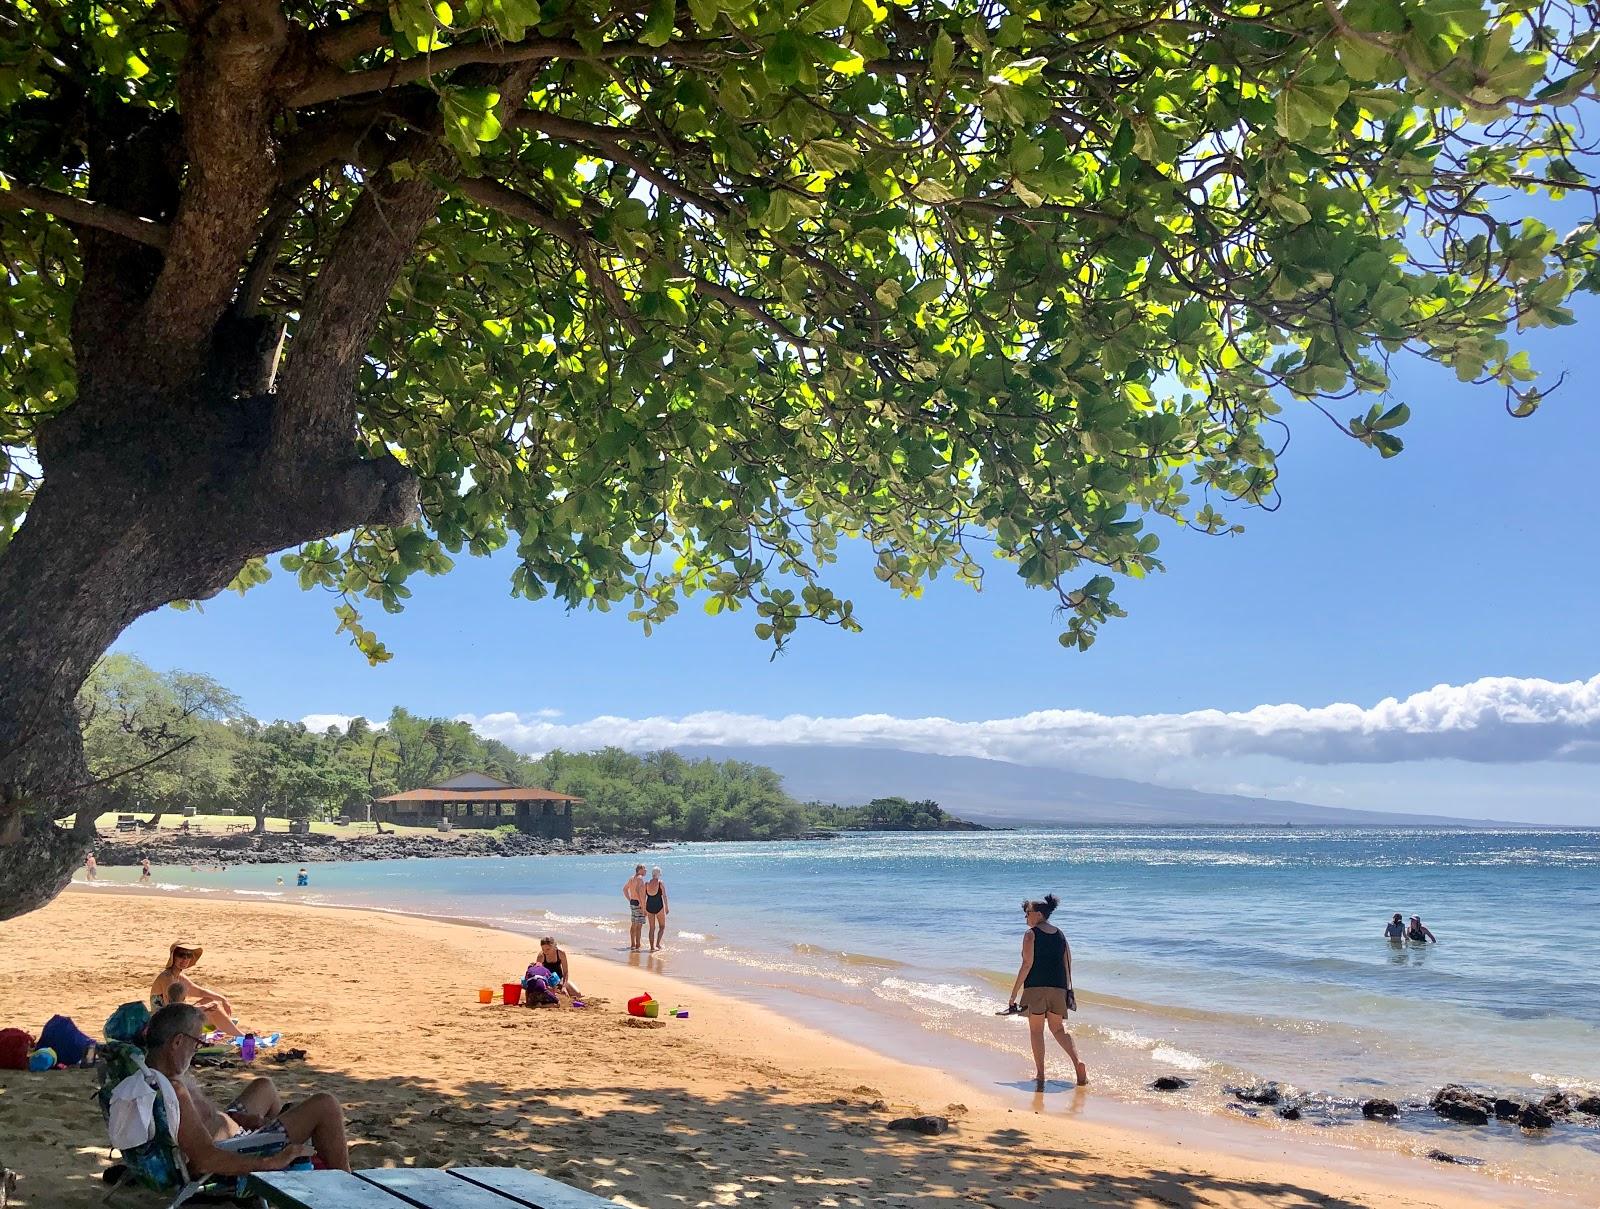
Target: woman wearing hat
172, 985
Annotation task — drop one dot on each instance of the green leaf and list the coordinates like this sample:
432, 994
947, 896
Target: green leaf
944, 52
1287, 207
658, 26
782, 60
1393, 418
1303, 108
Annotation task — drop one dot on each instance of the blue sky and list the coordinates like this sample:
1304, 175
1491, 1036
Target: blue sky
1473, 555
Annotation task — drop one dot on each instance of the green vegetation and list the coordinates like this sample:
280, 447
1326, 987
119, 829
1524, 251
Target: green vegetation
188, 744
889, 814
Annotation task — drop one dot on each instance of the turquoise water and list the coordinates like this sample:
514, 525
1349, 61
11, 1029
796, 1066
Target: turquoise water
1217, 954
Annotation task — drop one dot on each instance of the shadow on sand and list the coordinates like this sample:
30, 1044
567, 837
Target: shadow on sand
661, 1147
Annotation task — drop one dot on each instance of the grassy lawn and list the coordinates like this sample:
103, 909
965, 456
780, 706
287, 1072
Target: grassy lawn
218, 824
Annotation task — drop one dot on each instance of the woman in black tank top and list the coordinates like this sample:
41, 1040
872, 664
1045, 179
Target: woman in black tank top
1045, 982
554, 959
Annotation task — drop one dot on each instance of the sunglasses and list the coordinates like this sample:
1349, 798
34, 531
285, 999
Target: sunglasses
192, 1037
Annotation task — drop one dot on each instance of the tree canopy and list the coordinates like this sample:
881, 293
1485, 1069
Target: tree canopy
695, 290
671, 298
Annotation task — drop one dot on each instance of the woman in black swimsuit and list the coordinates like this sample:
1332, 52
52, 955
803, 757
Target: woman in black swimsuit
1045, 980
554, 958
655, 908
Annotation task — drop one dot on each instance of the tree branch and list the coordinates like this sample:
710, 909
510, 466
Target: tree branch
343, 306
332, 84
229, 180
356, 34
610, 142
518, 205
80, 212
749, 306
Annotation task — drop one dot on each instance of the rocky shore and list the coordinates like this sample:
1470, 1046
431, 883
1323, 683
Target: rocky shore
1454, 1103
276, 848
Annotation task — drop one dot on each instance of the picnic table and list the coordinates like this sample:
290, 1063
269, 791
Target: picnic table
421, 1188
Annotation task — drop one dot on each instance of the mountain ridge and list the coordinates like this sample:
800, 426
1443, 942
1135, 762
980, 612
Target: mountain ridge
999, 793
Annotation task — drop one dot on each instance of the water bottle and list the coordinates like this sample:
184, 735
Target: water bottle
247, 1048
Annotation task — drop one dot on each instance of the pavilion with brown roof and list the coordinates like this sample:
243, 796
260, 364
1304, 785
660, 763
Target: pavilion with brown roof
477, 800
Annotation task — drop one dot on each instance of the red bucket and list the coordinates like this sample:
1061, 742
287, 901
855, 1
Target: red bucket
511, 992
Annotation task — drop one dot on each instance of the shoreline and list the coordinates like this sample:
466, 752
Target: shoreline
1364, 1175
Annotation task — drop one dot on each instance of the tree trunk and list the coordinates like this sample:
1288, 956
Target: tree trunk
146, 500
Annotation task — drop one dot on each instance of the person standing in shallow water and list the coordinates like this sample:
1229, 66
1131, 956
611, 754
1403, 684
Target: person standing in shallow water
1045, 981
655, 908
633, 891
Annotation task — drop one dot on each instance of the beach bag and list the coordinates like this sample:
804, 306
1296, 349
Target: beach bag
73, 1047
127, 1023
15, 1046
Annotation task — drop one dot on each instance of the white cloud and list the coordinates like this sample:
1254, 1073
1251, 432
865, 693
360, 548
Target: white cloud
1496, 720
317, 723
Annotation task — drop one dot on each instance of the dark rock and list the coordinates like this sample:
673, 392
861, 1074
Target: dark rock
1533, 1116
1240, 1108
1555, 1104
1461, 1104
1258, 1093
1378, 1108
1506, 1110
1443, 1156
1169, 1083
1589, 1105
277, 848
925, 1124
1289, 1112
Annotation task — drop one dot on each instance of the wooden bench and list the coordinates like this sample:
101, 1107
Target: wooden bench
421, 1188
240, 826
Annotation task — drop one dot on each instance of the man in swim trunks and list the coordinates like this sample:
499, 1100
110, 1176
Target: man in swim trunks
257, 1132
633, 891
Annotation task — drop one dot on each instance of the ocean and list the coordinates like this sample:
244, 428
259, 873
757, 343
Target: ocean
1221, 955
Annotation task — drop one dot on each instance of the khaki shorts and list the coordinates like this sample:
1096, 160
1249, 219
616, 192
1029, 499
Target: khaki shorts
1037, 1001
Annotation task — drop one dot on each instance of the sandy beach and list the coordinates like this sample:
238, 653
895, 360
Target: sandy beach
733, 1106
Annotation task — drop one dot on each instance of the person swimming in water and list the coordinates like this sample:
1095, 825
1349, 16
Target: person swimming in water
1418, 932
1395, 929
655, 908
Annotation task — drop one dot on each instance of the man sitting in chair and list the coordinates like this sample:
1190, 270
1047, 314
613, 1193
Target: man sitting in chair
257, 1132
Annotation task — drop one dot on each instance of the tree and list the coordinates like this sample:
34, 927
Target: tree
156, 741
280, 772
674, 298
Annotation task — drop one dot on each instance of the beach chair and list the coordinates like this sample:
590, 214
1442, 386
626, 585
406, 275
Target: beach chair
156, 1165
